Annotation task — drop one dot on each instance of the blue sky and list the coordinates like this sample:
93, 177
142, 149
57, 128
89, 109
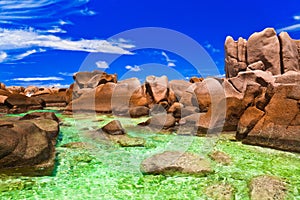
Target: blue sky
42, 42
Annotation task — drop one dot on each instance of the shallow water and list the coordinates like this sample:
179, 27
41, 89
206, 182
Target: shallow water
103, 170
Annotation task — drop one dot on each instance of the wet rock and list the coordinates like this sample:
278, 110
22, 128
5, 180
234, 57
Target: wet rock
220, 191
139, 111
169, 163
163, 121
40, 115
113, 128
220, 157
127, 141
24, 144
267, 187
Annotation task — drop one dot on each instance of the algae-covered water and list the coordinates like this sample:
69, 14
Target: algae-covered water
93, 169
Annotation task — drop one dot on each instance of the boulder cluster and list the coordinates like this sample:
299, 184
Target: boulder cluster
264, 51
259, 99
17, 99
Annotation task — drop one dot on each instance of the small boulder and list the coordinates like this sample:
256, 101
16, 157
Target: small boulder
220, 191
139, 111
169, 163
267, 187
220, 157
114, 128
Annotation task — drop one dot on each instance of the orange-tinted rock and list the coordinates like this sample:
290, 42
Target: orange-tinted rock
289, 53
290, 77
157, 87
15, 89
97, 100
30, 90
114, 128
278, 128
196, 80
259, 65
264, 46
248, 120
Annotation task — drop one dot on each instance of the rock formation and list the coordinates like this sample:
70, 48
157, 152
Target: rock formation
264, 50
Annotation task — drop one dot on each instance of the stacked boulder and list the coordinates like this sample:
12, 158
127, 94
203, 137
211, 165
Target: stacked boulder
15, 99
264, 51
268, 89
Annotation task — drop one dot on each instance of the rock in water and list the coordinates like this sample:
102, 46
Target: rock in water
169, 163
266, 188
113, 128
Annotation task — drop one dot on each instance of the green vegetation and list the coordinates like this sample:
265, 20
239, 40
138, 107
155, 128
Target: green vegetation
104, 170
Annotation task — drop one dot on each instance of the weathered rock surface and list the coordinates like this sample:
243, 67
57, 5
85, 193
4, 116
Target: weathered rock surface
169, 163
280, 126
220, 157
267, 187
114, 128
28, 144
264, 46
289, 53
160, 121
220, 191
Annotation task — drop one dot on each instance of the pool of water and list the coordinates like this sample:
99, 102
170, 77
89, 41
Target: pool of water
102, 170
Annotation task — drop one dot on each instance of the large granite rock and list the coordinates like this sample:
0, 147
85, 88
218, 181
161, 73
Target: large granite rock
280, 126
169, 163
289, 53
264, 46
18, 103
28, 144
95, 100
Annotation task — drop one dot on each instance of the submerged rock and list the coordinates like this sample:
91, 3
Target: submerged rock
220, 157
267, 187
220, 191
169, 163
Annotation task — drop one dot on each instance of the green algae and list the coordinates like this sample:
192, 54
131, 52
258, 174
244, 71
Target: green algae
108, 171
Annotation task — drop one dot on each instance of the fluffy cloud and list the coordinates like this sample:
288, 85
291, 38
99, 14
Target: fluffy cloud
296, 17
134, 68
50, 78
102, 65
292, 28
171, 63
3, 56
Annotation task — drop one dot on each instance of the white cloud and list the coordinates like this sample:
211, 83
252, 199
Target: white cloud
56, 29
24, 39
171, 63
50, 78
3, 56
292, 28
66, 73
134, 69
27, 53
296, 17
102, 65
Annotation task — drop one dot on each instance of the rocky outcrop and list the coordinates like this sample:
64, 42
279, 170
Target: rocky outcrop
280, 126
264, 51
28, 144
169, 163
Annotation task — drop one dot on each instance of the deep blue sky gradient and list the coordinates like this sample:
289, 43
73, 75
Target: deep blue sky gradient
207, 22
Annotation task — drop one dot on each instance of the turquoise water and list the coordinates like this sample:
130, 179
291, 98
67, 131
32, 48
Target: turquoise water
102, 170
